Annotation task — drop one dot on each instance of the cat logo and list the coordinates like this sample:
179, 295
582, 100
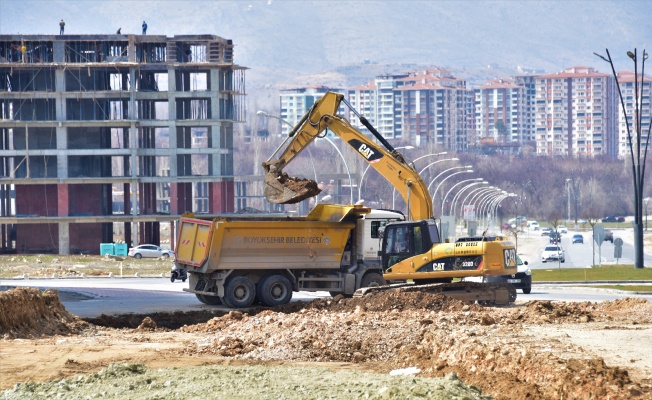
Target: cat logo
369, 152
366, 151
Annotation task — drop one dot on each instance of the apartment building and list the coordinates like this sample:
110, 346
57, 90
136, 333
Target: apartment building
433, 109
296, 102
576, 114
503, 113
628, 87
105, 130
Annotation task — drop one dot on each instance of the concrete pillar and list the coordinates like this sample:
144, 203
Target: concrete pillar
172, 126
63, 201
64, 238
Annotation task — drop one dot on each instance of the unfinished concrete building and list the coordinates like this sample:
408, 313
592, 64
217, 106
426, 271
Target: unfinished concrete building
106, 131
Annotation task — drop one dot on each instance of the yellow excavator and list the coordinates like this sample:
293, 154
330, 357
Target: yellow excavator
412, 252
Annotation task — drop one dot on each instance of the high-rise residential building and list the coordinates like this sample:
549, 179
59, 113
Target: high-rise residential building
628, 88
576, 113
296, 102
503, 113
433, 109
100, 132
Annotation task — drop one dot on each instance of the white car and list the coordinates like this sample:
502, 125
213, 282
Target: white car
533, 225
553, 252
149, 250
562, 229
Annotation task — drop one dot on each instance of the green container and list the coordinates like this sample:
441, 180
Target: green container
121, 249
107, 248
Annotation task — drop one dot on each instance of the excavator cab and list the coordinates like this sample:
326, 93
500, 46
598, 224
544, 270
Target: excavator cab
403, 240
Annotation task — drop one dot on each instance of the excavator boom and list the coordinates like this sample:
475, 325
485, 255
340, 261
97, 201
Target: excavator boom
281, 189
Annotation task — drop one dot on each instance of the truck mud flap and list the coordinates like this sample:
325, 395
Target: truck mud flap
493, 294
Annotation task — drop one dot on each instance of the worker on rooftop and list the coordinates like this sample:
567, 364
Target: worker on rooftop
61, 27
144, 28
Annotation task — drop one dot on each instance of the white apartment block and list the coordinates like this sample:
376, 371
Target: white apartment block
628, 91
500, 111
296, 102
575, 114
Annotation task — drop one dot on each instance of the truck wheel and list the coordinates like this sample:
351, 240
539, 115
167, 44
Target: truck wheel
275, 290
372, 279
210, 300
239, 292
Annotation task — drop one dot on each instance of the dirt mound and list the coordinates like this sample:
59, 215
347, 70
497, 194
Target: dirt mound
28, 312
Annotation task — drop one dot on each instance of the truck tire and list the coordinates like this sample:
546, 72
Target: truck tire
239, 292
372, 279
274, 290
209, 300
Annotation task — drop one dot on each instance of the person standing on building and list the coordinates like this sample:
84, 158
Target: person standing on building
144, 28
61, 27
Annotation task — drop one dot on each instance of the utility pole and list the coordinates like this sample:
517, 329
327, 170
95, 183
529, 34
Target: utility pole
638, 165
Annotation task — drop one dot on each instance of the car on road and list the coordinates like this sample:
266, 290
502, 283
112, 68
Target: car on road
562, 229
613, 218
149, 251
546, 231
522, 279
555, 237
578, 238
533, 225
553, 253
608, 236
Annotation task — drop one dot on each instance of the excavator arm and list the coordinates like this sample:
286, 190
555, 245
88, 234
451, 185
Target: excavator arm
281, 189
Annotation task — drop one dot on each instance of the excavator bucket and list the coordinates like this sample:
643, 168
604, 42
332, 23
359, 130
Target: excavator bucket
282, 189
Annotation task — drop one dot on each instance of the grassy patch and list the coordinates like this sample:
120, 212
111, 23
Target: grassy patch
603, 273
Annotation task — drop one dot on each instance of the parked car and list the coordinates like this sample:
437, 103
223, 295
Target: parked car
522, 279
555, 237
562, 229
553, 253
613, 218
608, 236
577, 238
149, 251
546, 231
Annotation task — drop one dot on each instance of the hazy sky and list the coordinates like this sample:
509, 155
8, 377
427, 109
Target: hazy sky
320, 35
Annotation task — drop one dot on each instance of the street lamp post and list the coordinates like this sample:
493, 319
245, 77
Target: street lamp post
446, 178
476, 191
638, 164
568, 181
459, 194
646, 200
453, 187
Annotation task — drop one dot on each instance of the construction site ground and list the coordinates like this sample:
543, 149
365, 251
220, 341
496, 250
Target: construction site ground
388, 345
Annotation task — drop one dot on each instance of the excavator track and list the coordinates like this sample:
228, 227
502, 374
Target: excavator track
491, 294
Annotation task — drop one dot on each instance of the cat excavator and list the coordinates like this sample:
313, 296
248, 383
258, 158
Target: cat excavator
413, 255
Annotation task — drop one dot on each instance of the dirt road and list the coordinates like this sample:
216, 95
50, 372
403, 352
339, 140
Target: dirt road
343, 348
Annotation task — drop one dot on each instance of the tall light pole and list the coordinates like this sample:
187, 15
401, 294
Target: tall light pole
476, 191
367, 168
568, 181
446, 178
348, 171
459, 194
638, 165
443, 200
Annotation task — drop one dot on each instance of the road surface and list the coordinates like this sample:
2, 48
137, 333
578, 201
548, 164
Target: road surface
92, 297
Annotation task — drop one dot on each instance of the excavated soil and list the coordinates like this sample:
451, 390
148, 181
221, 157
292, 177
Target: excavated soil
331, 348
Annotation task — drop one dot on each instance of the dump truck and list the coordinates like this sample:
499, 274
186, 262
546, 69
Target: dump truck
237, 260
